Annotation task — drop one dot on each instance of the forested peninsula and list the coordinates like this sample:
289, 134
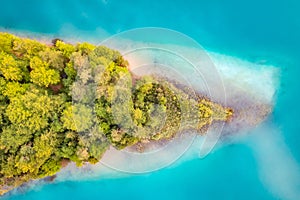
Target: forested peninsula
62, 102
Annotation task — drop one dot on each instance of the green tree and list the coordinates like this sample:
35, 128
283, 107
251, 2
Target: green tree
68, 145
33, 110
41, 74
54, 58
6, 42
27, 48
10, 67
14, 89
111, 55
49, 168
77, 117
66, 49
85, 48
12, 137
32, 157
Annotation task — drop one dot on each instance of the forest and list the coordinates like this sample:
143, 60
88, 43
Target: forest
62, 102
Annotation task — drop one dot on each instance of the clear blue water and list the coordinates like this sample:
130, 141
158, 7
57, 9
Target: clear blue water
255, 30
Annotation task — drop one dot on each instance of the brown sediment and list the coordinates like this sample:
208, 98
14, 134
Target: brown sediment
65, 162
249, 117
249, 112
56, 88
143, 147
5, 188
134, 78
50, 178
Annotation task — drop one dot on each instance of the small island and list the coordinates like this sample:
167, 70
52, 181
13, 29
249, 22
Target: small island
64, 102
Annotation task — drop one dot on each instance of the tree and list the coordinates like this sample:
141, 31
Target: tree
32, 157
33, 110
6, 42
12, 137
41, 74
66, 49
95, 142
8, 168
10, 68
85, 48
139, 117
68, 145
3, 102
49, 168
71, 75
14, 89
111, 55
77, 117
27, 48
54, 58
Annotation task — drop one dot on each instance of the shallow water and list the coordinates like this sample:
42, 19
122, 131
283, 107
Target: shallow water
261, 32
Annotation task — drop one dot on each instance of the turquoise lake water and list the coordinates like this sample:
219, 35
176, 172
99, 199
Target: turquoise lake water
260, 31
